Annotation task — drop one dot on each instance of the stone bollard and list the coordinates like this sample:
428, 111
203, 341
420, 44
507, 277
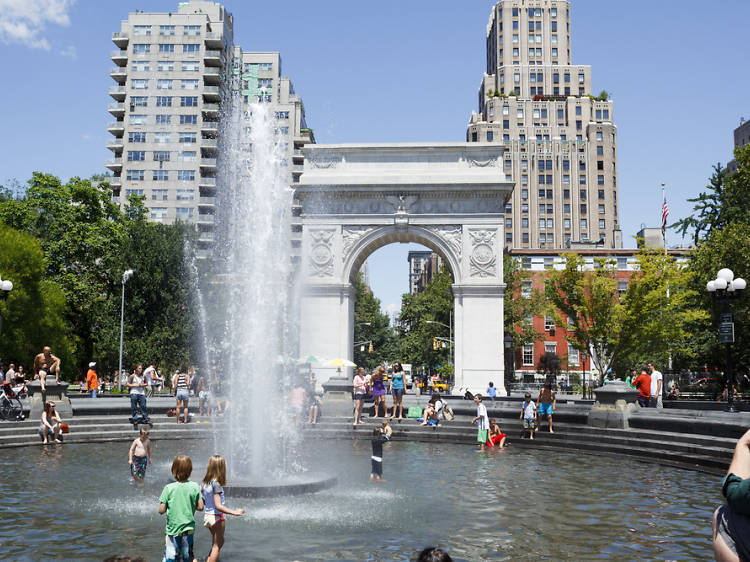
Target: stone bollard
55, 392
337, 397
614, 403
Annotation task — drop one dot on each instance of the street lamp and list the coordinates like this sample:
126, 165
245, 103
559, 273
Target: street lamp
726, 288
5, 288
125, 276
509, 361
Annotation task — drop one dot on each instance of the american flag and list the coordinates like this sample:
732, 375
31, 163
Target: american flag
664, 214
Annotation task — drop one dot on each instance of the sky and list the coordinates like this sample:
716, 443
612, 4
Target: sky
398, 71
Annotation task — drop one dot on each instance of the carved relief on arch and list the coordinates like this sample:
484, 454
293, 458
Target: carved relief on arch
483, 257
324, 159
351, 235
321, 252
451, 234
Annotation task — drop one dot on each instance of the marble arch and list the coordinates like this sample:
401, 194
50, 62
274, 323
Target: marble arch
449, 197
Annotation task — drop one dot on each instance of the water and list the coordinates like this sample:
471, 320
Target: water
260, 334
520, 504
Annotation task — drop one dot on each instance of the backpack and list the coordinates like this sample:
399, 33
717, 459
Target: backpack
448, 414
468, 396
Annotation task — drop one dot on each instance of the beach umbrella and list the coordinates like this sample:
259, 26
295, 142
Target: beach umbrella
311, 359
339, 362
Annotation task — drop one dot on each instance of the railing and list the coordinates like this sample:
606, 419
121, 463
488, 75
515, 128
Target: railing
211, 90
212, 54
210, 107
208, 162
119, 54
116, 125
207, 181
207, 200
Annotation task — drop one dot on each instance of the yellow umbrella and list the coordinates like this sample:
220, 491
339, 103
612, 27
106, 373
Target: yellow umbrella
339, 362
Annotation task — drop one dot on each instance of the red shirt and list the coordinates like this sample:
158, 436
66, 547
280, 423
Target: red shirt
643, 383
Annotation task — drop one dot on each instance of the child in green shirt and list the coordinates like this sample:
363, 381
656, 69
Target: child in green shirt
179, 500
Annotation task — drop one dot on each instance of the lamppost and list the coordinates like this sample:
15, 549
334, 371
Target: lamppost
125, 276
509, 361
5, 288
726, 288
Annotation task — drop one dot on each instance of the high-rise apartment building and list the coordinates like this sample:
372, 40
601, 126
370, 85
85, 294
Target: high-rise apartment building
741, 138
176, 73
424, 265
561, 141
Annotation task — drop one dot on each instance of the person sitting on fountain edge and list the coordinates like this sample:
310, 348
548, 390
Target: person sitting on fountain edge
731, 522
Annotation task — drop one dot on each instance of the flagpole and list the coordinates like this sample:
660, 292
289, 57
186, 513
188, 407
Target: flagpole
664, 238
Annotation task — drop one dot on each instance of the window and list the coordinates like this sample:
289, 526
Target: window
600, 179
515, 37
163, 119
622, 264
509, 237
602, 224
508, 222
508, 208
165, 65
138, 101
162, 138
581, 78
550, 222
189, 84
191, 66
541, 221
140, 66
524, 207
163, 101
139, 84
526, 289
601, 209
584, 224
525, 222
573, 355
554, 26
622, 285
515, 24
165, 48
566, 194
525, 237
542, 208
141, 48
158, 213
190, 48
583, 208
582, 194
134, 175
517, 78
161, 175
159, 194
141, 30
166, 29
554, 54
582, 179
137, 192
137, 119
525, 181
188, 101
566, 179
515, 51
191, 29
550, 347
161, 155
163, 84
187, 156
136, 137
185, 195
515, 12
554, 38
136, 155
528, 354
185, 136
566, 208
185, 175
566, 223
184, 213
188, 119
490, 137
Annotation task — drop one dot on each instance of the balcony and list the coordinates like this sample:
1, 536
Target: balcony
206, 236
214, 40
115, 183
208, 162
205, 219
120, 39
207, 201
209, 144
117, 109
212, 75
118, 92
115, 145
211, 93
120, 58
118, 74
117, 128
211, 109
210, 127
212, 58
114, 164
207, 182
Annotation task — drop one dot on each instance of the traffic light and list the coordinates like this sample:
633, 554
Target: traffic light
369, 349
435, 344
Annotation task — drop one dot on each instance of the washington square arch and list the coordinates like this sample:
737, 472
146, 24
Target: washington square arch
450, 197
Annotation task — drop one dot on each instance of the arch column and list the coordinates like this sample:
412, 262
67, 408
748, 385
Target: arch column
478, 338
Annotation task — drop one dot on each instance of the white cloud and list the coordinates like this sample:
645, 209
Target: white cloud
24, 21
69, 51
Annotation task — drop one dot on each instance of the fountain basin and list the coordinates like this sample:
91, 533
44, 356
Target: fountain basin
281, 489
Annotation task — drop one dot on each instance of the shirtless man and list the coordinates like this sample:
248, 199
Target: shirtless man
53, 363
546, 403
139, 455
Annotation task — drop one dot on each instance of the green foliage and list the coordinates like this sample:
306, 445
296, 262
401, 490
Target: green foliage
32, 315
385, 346
660, 316
589, 299
518, 310
603, 95
434, 303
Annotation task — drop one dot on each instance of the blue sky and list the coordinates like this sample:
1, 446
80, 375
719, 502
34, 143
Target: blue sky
401, 71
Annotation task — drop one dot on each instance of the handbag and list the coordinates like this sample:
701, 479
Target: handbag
448, 414
414, 412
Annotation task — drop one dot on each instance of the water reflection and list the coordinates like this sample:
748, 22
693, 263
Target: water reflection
79, 502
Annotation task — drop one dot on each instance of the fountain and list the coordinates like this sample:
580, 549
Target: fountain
260, 338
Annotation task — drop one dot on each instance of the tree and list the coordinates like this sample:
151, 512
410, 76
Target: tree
434, 303
519, 307
371, 325
659, 314
592, 314
33, 313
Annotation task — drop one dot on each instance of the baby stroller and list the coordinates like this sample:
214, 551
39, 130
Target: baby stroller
10, 404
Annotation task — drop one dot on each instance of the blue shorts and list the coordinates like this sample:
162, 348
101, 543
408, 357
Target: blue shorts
179, 547
398, 392
545, 409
